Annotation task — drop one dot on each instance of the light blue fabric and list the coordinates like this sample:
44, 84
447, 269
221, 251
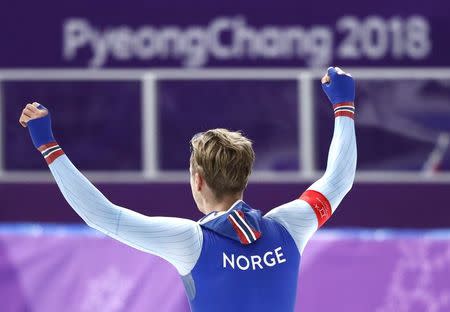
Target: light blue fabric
177, 240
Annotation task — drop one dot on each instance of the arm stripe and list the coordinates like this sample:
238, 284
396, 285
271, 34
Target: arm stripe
345, 113
319, 203
51, 151
351, 104
346, 109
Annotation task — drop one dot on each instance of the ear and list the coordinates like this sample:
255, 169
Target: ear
198, 181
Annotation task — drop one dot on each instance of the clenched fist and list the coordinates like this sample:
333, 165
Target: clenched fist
30, 112
339, 86
37, 118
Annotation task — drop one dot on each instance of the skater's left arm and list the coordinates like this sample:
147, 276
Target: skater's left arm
303, 216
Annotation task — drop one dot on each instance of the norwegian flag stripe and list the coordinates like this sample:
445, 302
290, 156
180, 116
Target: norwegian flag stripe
239, 230
51, 151
344, 109
246, 226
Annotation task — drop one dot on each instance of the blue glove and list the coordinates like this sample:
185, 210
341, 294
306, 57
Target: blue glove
41, 129
340, 88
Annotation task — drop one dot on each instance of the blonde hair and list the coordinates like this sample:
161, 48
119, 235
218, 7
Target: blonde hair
224, 158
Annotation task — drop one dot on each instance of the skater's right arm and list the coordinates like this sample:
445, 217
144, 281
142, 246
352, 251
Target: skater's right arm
177, 240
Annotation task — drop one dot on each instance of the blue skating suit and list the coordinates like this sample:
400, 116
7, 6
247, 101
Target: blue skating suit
250, 262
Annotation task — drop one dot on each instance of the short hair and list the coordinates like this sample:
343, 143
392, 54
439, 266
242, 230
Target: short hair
224, 158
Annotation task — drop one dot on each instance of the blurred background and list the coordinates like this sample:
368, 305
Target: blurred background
128, 84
